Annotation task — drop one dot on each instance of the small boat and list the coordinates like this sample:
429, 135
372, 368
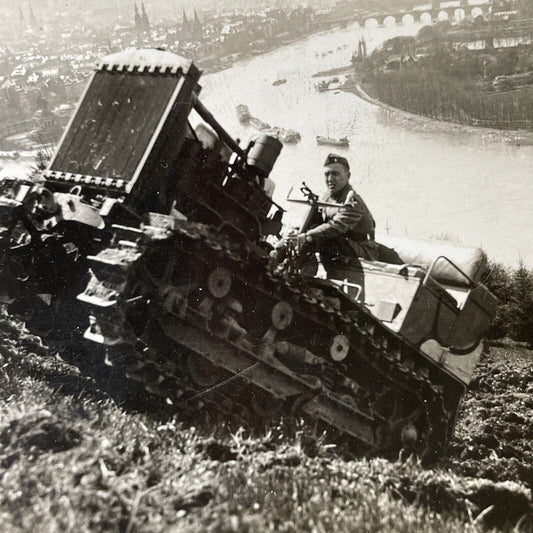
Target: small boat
289, 136
343, 141
279, 81
9, 155
243, 113
259, 124
519, 140
322, 86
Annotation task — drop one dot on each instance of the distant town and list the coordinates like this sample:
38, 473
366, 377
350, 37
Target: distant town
46, 56
48, 52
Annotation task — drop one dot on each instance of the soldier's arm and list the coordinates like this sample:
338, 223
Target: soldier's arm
346, 219
312, 219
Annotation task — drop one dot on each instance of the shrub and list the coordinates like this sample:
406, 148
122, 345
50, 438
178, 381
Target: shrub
514, 290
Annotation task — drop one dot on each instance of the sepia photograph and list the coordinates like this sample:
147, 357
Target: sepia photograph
266, 266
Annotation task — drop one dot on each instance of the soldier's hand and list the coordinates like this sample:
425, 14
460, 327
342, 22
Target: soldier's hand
295, 242
279, 253
287, 241
304, 243
292, 244
301, 243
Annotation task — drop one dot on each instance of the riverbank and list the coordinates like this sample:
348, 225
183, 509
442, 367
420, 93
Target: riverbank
430, 94
426, 76
348, 69
355, 84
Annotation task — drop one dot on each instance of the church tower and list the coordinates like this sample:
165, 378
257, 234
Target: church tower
33, 20
138, 21
186, 30
145, 21
22, 20
197, 30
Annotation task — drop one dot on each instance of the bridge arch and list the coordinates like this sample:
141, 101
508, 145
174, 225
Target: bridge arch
425, 18
443, 15
389, 21
476, 12
371, 23
408, 19
459, 14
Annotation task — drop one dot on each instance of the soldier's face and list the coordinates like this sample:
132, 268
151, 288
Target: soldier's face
337, 177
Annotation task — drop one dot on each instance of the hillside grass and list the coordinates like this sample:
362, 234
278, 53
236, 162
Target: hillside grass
74, 460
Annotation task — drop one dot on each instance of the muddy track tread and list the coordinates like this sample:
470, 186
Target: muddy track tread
149, 372
372, 343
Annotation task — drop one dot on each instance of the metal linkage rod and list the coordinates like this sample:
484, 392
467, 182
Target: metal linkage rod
222, 383
222, 133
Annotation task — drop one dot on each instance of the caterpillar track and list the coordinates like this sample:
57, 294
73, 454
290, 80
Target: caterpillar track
200, 312
149, 236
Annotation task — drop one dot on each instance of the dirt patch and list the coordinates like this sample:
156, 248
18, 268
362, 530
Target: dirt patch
34, 434
124, 467
218, 451
494, 433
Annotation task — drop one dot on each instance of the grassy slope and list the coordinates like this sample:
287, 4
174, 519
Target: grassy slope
72, 460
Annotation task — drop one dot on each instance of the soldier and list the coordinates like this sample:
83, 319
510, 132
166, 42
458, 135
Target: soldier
339, 234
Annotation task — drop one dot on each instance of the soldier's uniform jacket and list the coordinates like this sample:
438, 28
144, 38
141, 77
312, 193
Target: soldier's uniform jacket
340, 234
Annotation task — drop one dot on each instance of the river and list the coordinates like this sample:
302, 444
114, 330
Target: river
420, 178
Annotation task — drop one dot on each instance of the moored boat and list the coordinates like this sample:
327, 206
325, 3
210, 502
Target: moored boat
322, 86
9, 155
289, 136
520, 140
343, 141
243, 113
259, 124
279, 81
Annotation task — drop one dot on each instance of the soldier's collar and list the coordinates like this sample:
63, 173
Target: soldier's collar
339, 194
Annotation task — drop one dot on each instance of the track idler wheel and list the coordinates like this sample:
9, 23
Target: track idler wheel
281, 315
339, 348
409, 436
219, 282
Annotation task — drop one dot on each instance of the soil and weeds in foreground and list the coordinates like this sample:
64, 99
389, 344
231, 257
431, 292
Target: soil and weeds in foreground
72, 460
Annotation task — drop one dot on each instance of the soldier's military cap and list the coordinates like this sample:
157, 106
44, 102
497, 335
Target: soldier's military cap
334, 158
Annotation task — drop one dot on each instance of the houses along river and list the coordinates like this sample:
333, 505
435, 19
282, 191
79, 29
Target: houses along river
421, 178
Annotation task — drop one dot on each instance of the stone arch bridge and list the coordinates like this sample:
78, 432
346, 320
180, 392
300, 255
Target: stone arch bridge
428, 15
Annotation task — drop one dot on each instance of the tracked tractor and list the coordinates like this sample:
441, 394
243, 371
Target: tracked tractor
149, 234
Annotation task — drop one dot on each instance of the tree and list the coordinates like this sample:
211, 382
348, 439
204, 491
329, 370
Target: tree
498, 280
522, 304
